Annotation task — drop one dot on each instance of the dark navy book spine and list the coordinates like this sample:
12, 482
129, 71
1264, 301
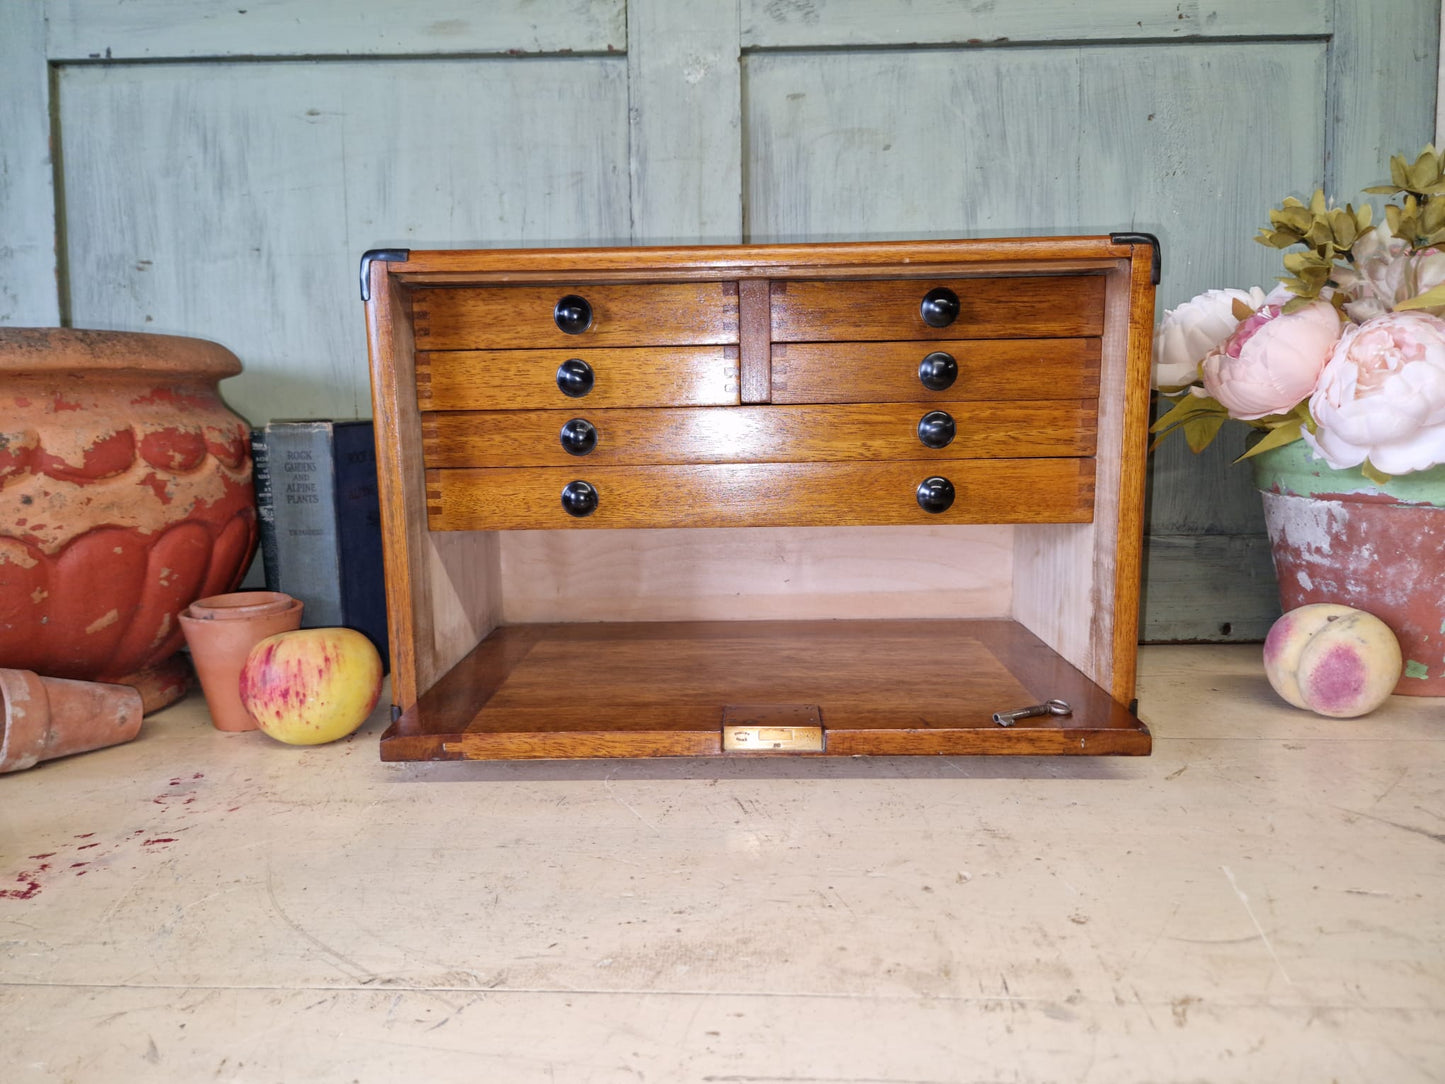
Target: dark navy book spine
358, 533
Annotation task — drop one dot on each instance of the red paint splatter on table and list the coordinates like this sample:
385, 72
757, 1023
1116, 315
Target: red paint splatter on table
29, 882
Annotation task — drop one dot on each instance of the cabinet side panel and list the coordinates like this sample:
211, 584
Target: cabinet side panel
441, 593
1077, 588
1133, 438
757, 573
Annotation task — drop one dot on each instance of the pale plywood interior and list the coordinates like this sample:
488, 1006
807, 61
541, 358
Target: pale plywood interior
463, 596
1066, 576
756, 573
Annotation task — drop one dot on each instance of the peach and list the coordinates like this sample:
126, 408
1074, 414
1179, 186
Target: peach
311, 686
1333, 660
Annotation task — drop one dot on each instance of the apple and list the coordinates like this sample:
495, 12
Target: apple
311, 686
1334, 660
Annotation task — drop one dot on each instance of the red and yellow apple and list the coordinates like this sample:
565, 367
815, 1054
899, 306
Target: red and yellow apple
1334, 660
311, 686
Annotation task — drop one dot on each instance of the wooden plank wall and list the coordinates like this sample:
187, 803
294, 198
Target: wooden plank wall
220, 167
29, 292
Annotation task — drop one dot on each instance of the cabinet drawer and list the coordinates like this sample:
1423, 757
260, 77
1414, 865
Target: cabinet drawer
661, 314
986, 308
613, 377
761, 494
894, 372
758, 434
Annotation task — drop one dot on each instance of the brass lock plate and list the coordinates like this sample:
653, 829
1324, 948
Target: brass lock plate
772, 728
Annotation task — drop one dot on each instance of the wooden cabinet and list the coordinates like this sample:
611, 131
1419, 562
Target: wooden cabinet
559, 431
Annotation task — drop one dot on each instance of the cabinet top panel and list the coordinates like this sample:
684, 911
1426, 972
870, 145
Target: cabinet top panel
1022, 255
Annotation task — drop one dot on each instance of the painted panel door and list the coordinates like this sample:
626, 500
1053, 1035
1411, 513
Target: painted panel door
1193, 140
218, 169
232, 201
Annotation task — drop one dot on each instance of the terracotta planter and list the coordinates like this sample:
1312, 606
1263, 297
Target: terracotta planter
125, 494
1338, 537
220, 632
44, 718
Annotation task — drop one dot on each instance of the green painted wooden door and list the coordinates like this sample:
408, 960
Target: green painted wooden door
219, 169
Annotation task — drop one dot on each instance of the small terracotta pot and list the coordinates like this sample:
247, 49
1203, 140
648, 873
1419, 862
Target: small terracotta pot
220, 631
45, 717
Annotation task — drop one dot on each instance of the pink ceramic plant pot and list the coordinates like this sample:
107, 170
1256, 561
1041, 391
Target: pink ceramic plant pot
1336, 536
220, 631
125, 494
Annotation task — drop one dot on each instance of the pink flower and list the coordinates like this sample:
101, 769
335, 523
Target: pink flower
1272, 361
1379, 276
1192, 330
1382, 396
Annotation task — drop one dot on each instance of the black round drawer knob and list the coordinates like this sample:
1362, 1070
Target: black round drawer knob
938, 371
579, 499
574, 378
574, 315
935, 495
579, 436
939, 307
936, 429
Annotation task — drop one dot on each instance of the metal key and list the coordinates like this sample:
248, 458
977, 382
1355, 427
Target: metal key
1048, 707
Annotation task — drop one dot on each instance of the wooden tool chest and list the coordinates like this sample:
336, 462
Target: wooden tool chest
788, 499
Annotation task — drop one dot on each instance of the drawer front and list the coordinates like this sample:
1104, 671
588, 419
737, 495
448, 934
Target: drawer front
497, 317
895, 372
760, 494
1038, 306
611, 377
580, 438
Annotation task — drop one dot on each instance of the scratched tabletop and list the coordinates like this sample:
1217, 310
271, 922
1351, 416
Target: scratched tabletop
1261, 899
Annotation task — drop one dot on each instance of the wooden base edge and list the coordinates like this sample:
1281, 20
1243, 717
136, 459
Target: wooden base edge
397, 746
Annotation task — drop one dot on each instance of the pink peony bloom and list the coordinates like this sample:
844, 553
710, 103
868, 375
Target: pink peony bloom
1272, 361
1192, 330
1427, 270
1379, 276
1382, 395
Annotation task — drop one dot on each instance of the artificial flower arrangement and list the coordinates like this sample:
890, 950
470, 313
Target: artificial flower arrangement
1347, 353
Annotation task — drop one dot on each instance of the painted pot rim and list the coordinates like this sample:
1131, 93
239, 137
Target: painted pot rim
45, 351
1293, 471
240, 606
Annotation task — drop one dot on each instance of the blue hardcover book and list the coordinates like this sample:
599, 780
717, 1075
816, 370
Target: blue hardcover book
325, 537
358, 522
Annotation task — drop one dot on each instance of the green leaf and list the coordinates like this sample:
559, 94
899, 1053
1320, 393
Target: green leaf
1397, 172
1285, 432
1198, 417
1431, 298
1369, 470
1200, 431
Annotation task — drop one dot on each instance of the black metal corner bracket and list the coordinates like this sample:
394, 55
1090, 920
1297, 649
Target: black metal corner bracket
390, 255
1143, 239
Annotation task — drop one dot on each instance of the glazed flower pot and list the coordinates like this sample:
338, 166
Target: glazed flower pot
220, 631
1338, 537
125, 494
